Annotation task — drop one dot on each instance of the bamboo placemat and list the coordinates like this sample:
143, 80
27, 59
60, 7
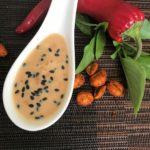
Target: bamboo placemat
106, 125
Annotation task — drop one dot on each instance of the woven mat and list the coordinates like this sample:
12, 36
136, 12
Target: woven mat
106, 125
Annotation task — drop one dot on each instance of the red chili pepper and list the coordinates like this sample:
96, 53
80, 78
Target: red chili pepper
36, 15
120, 14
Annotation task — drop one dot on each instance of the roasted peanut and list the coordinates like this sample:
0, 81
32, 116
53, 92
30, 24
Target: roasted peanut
91, 69
79, 81
3, 50
84, 98
115, 88
99, 92
98, 79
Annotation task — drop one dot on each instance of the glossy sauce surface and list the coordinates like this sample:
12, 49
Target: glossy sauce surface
42, 80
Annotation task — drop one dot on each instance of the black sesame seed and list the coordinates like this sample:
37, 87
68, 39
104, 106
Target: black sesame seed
43, 76
62, 67
56, 54
46, 87
23, 89
27, 87
29, 74
37, 108
39, 89
41, 116
58, 50
47, 91
26, 82
31, 113
37, 117
37, 74
56, 90
17, 91
44, 99
42, 59
34, 75
66, 61
43, 55
18, 106
15, 85
52, 71
22, 95
33, 93
36, 93
58, 103
38, 46
38, 104
31, 105
24, 64
52, 78
43, 82
55, 102
49, 49
32, 97
62, 96
65, 79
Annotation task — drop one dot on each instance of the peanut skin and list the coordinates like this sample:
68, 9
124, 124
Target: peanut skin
3, 50
79, 81
100, 92
116, 88
84, 99
91, 69
98, 79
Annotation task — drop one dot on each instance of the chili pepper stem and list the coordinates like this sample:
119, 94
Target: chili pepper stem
134, 33
138, 42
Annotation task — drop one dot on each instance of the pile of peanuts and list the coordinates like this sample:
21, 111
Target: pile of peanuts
98, 80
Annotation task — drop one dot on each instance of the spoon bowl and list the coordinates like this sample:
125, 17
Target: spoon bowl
60, 19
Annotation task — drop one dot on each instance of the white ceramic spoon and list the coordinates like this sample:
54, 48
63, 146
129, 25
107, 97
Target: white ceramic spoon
60, 19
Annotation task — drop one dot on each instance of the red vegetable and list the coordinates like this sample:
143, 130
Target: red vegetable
120, 14
34, 17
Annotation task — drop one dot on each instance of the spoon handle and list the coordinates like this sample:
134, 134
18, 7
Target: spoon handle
60, 17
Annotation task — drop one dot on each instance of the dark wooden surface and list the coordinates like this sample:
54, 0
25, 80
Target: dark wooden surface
106, 125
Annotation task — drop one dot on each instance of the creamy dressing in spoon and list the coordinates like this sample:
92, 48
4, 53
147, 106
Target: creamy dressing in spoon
42, 80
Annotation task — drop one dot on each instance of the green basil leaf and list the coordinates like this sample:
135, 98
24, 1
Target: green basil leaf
88, 56
136, 78
144, 61
83, 23
100, 44
145, 30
